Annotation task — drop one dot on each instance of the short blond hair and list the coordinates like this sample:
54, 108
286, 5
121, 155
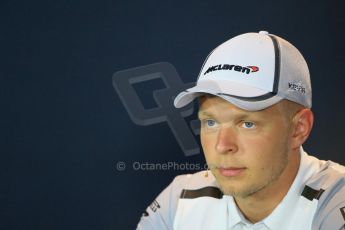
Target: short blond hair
289, 108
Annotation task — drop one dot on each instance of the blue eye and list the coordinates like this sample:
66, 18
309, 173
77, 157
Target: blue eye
210, 123
248, 124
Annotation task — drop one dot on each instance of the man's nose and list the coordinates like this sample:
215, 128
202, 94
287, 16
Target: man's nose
226, 140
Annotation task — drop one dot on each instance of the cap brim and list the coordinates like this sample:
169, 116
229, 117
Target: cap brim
245, 103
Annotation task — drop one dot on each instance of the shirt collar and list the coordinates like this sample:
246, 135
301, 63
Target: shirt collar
236, 217
234, 214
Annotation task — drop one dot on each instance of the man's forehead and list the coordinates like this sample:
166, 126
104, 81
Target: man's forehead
218, 106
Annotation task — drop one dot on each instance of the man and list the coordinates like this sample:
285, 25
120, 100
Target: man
254, 94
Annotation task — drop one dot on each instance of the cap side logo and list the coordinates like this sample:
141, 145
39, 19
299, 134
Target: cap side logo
238, 68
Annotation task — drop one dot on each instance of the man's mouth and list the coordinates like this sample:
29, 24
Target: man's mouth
230, 171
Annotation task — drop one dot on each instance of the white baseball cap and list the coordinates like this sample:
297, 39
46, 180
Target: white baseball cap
253, 71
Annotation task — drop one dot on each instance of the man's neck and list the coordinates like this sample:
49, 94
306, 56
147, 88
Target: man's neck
258, 206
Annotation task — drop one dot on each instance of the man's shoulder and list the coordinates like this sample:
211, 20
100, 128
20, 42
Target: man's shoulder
161, 213
329, 177
329, 182
328, 185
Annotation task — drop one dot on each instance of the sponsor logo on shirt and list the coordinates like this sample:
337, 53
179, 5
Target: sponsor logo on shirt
154, 206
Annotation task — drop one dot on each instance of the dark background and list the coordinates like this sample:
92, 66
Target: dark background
64, 128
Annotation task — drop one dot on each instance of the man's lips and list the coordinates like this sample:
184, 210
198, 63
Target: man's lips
230, 171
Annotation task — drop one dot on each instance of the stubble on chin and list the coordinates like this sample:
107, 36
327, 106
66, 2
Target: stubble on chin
248, 190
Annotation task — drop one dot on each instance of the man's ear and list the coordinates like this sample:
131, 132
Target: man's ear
302, 125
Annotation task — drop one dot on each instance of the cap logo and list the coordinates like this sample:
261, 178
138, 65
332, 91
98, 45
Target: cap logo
297, 86
247, 69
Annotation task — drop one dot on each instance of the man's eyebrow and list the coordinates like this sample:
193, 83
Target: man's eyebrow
202, 112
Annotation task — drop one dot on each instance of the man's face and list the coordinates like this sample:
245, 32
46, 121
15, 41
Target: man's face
246, 151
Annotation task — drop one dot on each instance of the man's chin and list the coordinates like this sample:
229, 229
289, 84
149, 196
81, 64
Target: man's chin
236, 189
233, 192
